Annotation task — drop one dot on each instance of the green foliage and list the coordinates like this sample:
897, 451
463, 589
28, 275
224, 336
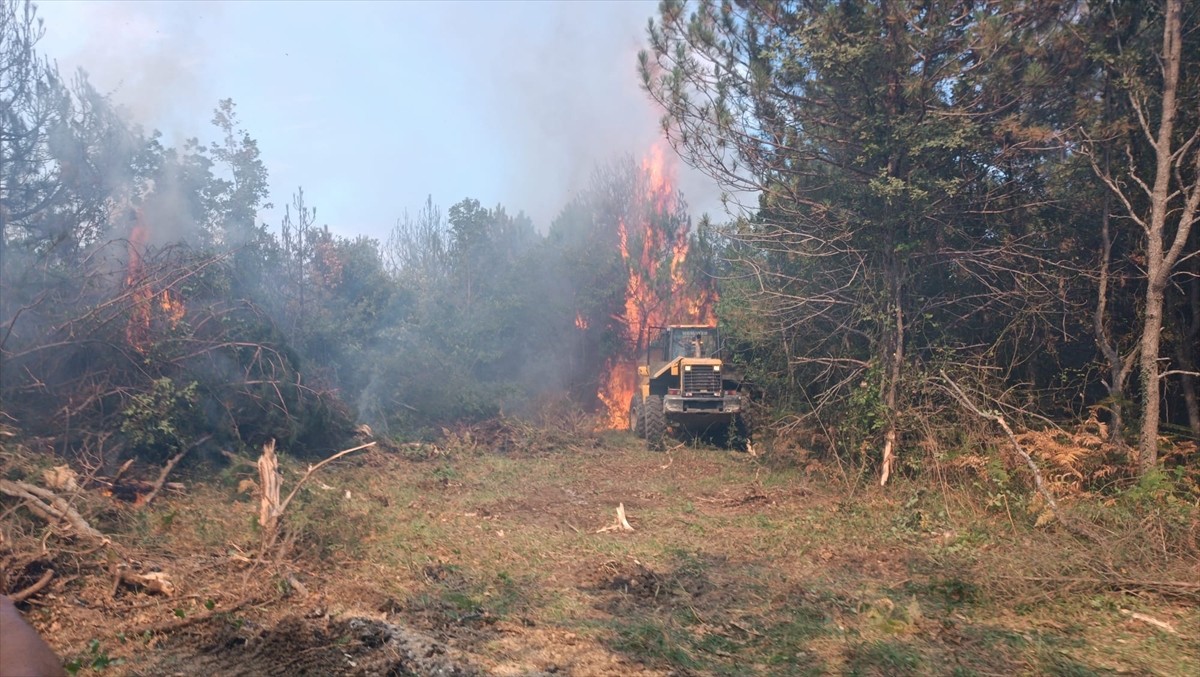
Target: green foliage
163, 421
96, 659
911, 207
927, 200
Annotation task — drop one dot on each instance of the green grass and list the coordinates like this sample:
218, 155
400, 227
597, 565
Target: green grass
885, 658
732, 569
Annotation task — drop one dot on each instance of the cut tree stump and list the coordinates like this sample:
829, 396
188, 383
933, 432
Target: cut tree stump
621, 524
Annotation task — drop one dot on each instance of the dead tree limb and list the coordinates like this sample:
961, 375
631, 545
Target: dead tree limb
957, 392
178, 623
34, 589
116, 479
51, 507
162, 476
271, 509
313, 468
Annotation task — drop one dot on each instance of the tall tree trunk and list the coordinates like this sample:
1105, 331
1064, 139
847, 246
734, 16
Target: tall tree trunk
1151, 395
1174, 197
896, 358
1118, 367
1158, 262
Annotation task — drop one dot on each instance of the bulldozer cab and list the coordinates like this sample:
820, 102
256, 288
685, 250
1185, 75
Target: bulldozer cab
673, 343
693, 342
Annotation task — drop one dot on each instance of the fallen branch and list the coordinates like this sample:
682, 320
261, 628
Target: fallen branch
178, 623
121, 472
162, 476
155, 581
1039, 483
51, 507
1161, 625
34, 589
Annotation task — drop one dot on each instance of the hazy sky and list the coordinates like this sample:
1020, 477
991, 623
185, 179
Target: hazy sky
371, 106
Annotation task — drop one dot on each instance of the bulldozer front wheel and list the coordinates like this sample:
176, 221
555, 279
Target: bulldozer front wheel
654, 421
635, 416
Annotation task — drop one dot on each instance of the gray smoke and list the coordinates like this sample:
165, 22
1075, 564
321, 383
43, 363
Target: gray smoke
371, 107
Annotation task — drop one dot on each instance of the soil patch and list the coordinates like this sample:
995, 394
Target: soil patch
310, 646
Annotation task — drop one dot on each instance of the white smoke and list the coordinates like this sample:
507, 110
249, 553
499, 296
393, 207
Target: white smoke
149, 57
371, 107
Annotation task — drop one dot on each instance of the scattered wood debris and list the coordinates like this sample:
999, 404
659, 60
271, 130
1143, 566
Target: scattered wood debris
1161, 625
158, 582
61, 478
621, 524
51, 507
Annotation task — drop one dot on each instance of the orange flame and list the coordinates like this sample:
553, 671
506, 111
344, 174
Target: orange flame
172, 307
142, 295
654, 245
581, 322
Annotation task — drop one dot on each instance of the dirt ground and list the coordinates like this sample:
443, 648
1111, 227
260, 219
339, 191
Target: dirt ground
478, 558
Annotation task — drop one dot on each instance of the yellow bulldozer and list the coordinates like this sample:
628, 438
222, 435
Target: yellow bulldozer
683, 386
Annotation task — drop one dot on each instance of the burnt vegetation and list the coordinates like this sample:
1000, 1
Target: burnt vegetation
961, 251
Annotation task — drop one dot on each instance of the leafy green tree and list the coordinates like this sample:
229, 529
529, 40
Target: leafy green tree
244, 190
895, 153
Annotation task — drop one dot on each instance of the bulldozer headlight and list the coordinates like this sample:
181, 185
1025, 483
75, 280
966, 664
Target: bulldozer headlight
716, 367
687, 367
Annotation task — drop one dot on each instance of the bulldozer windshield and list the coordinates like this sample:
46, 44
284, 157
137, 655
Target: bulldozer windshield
693, 343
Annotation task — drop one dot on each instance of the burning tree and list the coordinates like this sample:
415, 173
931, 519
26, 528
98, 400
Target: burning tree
653, 236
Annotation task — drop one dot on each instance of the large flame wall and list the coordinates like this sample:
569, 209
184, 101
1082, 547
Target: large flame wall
653, 236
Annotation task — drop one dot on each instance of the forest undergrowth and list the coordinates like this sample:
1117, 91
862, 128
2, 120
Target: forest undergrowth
495, 549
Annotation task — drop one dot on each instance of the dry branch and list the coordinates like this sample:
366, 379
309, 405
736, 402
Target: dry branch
1038, 482
313, 468
1161, 625
155, 581
51, 507
271, 509
34, 589
178, 623
116, 479
162, 476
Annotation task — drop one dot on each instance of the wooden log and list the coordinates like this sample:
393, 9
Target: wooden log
51, 507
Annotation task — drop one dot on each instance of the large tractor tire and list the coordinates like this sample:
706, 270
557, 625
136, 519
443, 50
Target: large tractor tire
654, 420
635, 416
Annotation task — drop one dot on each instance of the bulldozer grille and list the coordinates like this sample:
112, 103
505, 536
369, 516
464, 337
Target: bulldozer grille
702, 380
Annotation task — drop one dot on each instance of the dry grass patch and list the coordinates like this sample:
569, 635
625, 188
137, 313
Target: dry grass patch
496, 557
